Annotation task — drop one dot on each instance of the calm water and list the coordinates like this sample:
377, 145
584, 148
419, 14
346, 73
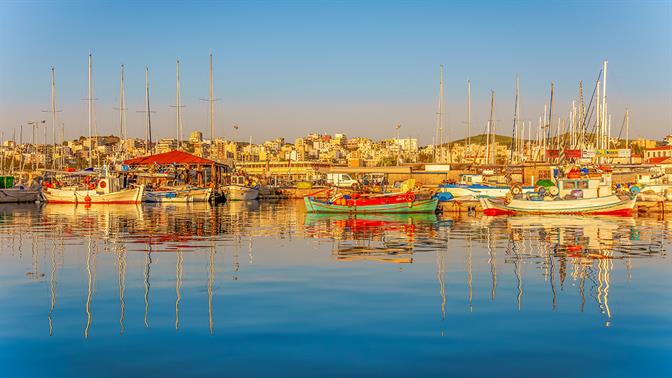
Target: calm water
266, 290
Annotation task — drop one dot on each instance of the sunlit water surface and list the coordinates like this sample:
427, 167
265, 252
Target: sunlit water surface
263, 289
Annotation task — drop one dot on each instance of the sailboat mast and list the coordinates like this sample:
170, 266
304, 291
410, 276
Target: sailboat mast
90, 101
514, 138
148, 119
604, 103
122, 106
468, 112
178, 105
212, 106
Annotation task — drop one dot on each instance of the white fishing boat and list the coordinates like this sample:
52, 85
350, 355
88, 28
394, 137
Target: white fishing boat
240, 193
178, 194
103, 191
240, 189
576, 195
471, 185
607, 205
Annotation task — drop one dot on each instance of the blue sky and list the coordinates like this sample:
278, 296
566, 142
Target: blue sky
288, 68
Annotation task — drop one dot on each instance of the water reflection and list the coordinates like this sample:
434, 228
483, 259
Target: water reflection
514, 251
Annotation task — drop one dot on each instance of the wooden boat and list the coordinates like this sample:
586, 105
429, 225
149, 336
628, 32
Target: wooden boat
18, 195
607, 205
178, 194
388, 203
240, 193
105, 191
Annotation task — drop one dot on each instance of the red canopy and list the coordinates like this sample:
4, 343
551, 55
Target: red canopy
170, 157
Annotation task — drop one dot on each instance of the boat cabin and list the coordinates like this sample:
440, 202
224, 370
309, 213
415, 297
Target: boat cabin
585, 187
471, 179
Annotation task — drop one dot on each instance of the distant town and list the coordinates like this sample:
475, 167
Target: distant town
323, 149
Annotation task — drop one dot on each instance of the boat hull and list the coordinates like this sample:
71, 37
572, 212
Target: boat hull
179, 195
16, 195
418, 206
608, 205
125, 196
240, 193
478, 191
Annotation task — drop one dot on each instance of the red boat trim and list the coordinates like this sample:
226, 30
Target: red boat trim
95, 202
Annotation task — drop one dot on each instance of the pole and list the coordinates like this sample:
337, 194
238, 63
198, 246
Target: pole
90, 102
212, 106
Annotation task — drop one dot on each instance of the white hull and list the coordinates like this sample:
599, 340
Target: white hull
240, 193
16, 195
612, 204
125, 196
494, 192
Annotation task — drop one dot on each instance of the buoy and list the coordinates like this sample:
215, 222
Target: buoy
516, 189
87, 198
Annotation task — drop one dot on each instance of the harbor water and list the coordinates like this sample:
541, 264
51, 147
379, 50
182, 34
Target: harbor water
264, 289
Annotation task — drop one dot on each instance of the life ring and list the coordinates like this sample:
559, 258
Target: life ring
92, 186
102, 184
635, 189
410, 197
516, 189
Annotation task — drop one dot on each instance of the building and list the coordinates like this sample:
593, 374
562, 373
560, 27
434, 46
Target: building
657, 152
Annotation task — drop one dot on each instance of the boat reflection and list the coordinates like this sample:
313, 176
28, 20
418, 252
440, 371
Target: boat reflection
370, 237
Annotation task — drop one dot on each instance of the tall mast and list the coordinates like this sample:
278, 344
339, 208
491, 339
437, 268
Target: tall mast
122, 107
212, 106
604, 102
178, 104
514, 138
148, 119
468, 112
627, 128
490, 138
90, 101
550, 113
439, 118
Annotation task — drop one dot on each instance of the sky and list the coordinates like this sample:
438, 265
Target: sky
285, 69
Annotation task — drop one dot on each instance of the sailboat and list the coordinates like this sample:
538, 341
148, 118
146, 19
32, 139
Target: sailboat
108, 190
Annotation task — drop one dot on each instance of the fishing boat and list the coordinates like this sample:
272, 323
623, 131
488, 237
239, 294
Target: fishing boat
103, 191
180, 194
607, 205
19, 194
239, 190
10, 193
471, 185
240, 193
385, 203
